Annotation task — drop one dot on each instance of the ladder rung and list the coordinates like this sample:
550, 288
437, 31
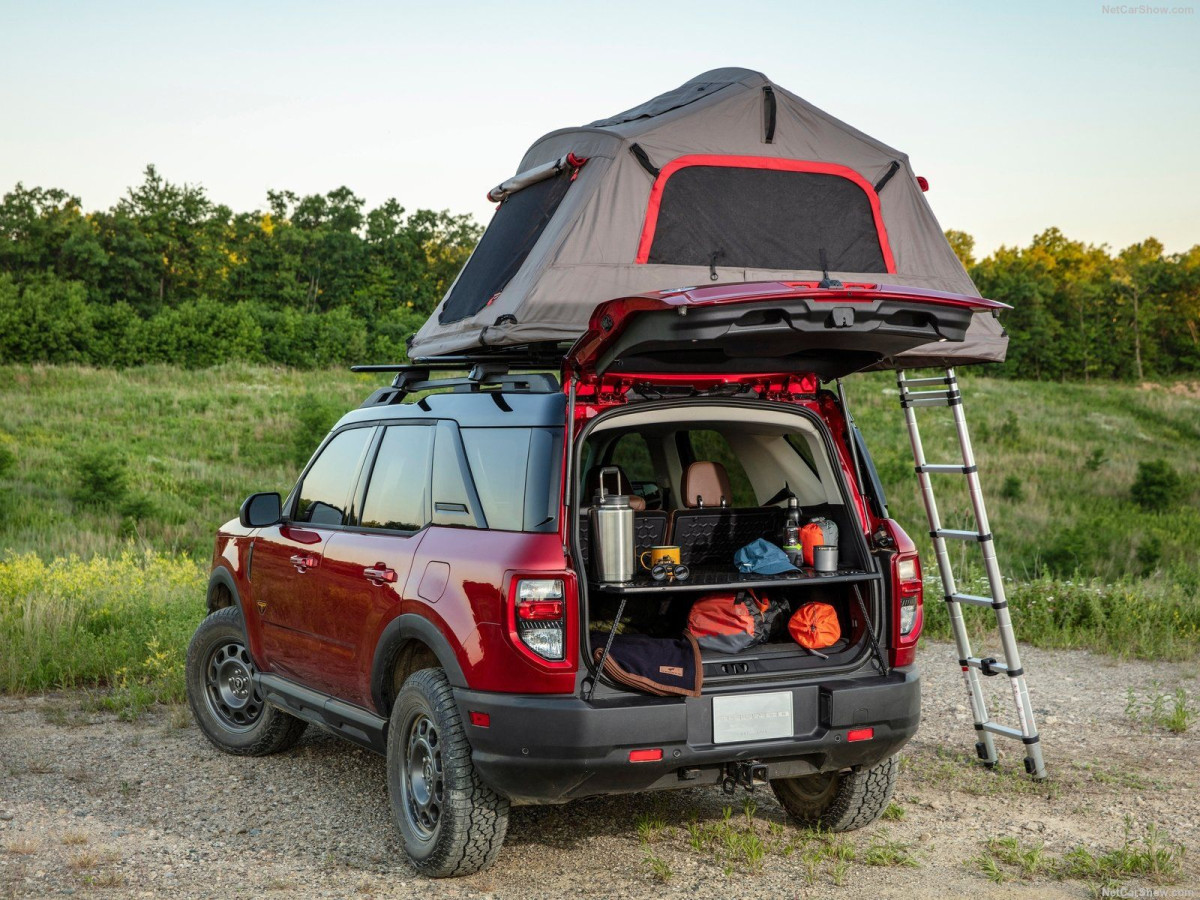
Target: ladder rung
975, 600
939, 468
1004, 731
949, 397
989, 666
953, 534
937, 379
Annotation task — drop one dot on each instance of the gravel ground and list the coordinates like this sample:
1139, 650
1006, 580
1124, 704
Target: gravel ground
92, 806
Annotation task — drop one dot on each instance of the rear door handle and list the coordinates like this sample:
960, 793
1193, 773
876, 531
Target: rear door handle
380, 574
304, 562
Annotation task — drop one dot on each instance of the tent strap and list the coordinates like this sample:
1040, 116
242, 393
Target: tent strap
887, 176
769, 109
640, 155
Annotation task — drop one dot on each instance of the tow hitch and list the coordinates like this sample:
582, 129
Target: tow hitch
747, 773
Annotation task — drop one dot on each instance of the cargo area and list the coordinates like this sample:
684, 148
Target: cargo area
710, 477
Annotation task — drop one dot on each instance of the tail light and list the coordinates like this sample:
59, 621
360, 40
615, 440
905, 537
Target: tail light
540, 614
907, 597
908, 576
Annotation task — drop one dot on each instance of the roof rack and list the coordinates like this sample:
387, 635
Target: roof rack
512, 373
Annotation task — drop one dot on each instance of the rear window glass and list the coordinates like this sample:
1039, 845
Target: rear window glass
632, 454
516, 473
711, 446
765, 219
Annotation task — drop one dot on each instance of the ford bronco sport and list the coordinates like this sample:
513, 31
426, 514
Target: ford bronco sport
424, 590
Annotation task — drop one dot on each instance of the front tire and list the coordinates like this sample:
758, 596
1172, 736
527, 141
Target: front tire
839, 801
225, 700
451, 822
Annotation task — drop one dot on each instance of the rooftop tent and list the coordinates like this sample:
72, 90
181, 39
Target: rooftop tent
727, 178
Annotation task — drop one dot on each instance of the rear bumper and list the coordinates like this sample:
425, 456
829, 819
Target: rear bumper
550, 749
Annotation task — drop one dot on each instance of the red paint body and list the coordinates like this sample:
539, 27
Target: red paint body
316, 600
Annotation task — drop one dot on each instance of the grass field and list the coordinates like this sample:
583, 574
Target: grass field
113, 482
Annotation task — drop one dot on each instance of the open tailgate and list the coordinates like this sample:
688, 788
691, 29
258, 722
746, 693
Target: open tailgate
769, 327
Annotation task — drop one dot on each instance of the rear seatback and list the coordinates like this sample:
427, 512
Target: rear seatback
710, 537
709, 532
649, 530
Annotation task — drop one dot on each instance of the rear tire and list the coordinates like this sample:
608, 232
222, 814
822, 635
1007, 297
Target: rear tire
225, 701
451, 822
839, 801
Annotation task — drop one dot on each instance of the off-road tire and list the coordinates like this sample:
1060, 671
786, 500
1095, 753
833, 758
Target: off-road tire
840, 801
467, 831
220, 643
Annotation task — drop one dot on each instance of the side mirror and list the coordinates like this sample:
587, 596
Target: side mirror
260, 510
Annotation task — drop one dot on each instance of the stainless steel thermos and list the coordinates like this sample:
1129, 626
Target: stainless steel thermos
611, 519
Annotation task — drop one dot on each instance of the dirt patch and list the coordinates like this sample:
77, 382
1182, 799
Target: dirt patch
92, 806
1182, 388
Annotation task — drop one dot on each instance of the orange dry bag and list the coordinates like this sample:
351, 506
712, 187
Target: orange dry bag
815, 625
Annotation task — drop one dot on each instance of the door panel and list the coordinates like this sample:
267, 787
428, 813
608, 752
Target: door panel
288, 582
366, 571
363, 583
288, 567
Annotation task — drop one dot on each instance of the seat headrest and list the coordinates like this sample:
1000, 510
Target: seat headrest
591, 484
706, 484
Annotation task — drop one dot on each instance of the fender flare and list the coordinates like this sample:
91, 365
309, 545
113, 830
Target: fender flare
222, 577
410, 626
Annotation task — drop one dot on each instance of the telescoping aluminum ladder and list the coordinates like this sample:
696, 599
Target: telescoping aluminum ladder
943, 391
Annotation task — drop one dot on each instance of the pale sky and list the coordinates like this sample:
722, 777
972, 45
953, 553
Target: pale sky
1022, 115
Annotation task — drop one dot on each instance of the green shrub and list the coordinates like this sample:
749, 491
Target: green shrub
1149, 553
122, 623
8, 458
1156, 486
314, 418
1132, 617
100, 478
1013, 488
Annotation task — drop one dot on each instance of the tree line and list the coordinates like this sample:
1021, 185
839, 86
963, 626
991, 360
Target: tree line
167, 275
1081, 311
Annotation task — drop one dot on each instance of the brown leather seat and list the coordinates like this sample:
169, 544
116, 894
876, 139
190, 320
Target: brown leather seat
706, 484
591, 484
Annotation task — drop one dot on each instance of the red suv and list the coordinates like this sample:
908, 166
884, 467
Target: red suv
425, 590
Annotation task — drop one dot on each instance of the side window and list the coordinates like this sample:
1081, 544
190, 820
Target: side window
711, 446
397, 493
325, 492
499, 458
632, 454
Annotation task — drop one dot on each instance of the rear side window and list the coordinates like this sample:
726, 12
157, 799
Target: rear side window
398, 492
711, 446
632, 454
516, 473
762, 216
325, 491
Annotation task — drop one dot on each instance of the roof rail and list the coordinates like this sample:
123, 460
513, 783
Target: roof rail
511, 375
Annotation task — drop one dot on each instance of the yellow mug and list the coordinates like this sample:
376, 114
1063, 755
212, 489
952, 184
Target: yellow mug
666, 555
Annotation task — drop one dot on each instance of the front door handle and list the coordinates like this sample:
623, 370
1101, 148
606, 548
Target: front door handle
304, 562
380, 574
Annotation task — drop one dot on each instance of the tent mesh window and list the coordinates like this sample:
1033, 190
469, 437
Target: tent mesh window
765, 219
515, 228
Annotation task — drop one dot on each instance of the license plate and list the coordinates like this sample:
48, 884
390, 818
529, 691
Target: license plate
752, 717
